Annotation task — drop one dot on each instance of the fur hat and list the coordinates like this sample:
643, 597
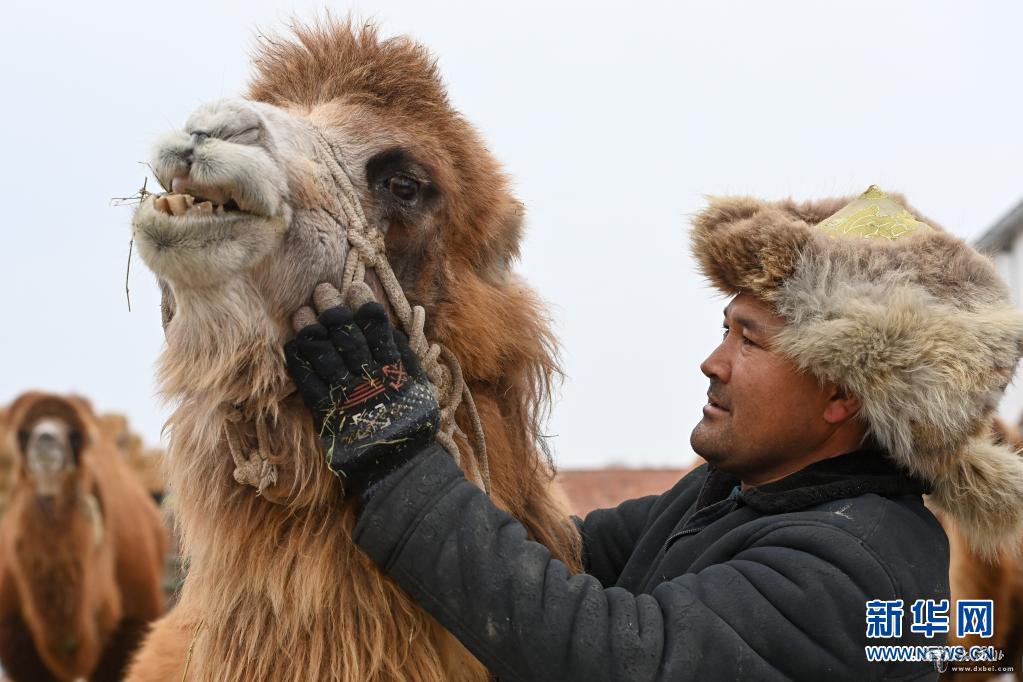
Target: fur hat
915, 322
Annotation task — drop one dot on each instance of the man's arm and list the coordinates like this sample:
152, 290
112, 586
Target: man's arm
790, 604
610, 535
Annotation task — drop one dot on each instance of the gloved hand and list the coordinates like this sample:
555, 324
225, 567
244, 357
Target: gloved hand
370, 399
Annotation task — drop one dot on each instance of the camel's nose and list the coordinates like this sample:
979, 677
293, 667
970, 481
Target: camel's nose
221, 162
47, 458
233, 119
197, 138
48, 453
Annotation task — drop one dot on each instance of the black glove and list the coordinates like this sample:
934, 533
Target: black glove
371, 401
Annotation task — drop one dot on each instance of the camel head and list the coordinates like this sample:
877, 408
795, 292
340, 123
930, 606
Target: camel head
250, 221
55, 482
239, 175
50, 435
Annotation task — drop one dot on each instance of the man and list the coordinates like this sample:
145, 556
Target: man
862, 355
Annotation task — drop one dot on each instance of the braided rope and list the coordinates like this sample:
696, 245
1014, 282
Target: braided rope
367, 250
254, 468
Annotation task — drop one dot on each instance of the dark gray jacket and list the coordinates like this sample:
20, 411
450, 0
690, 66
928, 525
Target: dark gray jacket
700, 583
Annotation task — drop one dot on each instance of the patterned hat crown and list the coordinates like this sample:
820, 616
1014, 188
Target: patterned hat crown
872, 215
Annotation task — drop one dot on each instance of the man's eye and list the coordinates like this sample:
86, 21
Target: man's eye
746, 341
724, 334
403, 187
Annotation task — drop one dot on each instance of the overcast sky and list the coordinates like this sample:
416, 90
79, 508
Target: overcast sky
614, 122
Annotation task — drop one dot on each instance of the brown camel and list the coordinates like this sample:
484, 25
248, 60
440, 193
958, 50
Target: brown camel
145, 462
276, 589
82, 548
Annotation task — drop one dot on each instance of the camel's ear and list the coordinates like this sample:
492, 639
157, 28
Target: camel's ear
166, 304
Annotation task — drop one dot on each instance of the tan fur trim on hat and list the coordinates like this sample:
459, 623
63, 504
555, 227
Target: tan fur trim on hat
982, 492
920, 329
744, 244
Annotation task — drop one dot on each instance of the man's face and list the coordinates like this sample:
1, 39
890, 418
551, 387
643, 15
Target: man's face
762, 413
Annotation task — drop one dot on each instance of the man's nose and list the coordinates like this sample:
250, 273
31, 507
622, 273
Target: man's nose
716, 365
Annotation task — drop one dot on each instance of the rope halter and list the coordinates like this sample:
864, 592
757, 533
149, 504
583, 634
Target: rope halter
367, 250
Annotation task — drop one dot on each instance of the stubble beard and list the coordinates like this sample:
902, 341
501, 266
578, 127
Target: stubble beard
712, 442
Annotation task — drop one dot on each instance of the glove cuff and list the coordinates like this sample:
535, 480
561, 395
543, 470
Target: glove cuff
378, 479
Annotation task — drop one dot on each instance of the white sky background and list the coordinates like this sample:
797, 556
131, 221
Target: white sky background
613, 121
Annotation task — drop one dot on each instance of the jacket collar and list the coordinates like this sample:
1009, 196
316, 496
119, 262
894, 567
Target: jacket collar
850, 475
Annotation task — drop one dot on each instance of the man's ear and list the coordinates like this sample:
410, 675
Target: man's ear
842, 404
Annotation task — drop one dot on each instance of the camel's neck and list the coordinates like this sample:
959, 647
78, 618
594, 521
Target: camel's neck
282, 574
222, 366
66, 518
311, 604
223, 346
289, 576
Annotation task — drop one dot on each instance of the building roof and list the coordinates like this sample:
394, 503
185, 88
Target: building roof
589, 489
1000, 235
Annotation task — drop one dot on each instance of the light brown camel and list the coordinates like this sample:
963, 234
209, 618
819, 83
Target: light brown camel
145, 462
276, 588
82, 548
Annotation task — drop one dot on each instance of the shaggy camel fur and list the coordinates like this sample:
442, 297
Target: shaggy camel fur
82, 548
276, 588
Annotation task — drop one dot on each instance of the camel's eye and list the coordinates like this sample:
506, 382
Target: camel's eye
401, 184
403, 187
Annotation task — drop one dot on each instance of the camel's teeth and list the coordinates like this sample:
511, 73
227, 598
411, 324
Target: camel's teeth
177, 204
204, 207
189, 199
218, 210
160, 204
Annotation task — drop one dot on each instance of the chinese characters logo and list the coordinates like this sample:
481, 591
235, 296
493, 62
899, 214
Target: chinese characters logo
930, 617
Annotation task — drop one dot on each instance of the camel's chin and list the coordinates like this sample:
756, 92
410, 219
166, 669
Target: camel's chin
203, 248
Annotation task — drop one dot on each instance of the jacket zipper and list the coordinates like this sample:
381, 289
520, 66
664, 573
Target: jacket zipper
676, 536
